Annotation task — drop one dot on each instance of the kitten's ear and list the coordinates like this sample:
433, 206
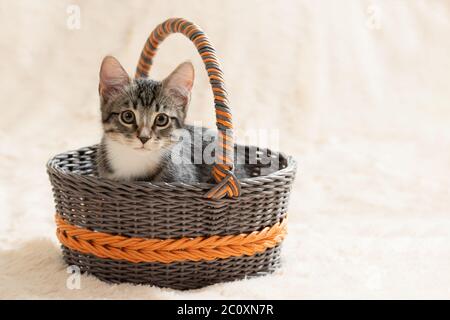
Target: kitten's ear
179, 83
113, 77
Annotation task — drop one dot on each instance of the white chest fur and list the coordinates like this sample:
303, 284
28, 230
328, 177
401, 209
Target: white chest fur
128, 163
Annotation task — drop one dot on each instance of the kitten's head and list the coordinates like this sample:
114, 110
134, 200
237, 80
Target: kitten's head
143, 114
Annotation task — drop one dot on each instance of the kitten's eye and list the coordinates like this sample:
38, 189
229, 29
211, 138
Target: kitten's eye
127, 117
162, 120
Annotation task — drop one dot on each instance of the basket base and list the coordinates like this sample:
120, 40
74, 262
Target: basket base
178, 275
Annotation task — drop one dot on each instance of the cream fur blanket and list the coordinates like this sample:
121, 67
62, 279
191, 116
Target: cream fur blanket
358, 90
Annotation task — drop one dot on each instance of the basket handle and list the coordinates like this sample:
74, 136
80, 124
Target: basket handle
222, 172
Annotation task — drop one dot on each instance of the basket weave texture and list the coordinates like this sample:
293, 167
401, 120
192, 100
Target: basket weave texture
176, 235
167, 211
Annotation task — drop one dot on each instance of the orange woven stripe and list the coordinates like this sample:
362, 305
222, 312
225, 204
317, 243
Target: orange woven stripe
153, 41
177, 25
190, 30
160, 31
142, 64
208, 54
223, 191
166, 24
200, 38
223, 113
136, 250
224, 159
218, 89
233, 185
215, 175
224, 123
223, 166
228, 147
219, 173
148, 51
225, 137
206, 60
212, 69
220, 98
203, 43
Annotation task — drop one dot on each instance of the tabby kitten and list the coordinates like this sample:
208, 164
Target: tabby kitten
143, 121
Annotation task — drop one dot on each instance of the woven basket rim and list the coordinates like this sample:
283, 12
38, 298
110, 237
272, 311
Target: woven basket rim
196, 186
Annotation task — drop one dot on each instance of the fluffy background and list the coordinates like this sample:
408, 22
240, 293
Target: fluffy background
358, 90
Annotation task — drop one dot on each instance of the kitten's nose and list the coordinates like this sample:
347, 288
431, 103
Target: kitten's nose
144, 139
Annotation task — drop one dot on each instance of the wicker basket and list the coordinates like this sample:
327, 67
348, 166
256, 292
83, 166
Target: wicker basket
176, 235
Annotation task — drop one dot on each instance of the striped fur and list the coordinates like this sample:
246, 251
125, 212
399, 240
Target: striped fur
142, 149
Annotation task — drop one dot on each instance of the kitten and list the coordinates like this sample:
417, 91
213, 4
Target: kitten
142, 120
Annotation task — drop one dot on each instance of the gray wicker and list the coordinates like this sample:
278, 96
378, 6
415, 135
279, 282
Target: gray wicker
175, 211
177, 275
163, 210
